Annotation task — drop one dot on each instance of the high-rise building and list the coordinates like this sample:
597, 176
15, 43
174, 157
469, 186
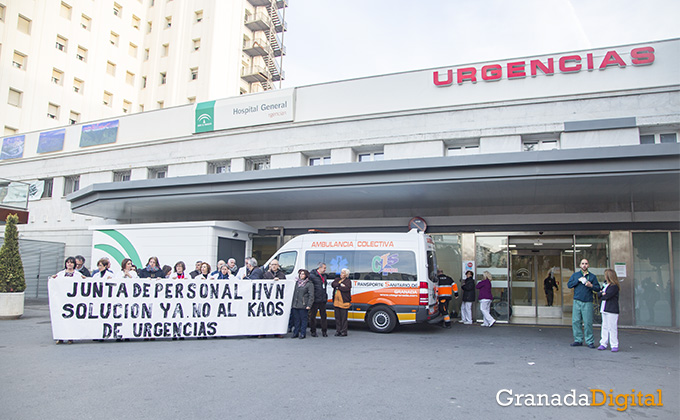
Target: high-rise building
64, 62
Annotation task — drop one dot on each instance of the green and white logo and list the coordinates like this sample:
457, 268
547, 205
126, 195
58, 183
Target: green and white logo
128, 250
205, 117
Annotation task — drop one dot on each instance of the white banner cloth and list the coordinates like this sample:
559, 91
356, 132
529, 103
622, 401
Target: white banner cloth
84, 309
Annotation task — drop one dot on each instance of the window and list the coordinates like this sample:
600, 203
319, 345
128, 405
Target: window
149, 26
114, 39
219, 167
659, 138
19, 60
78, 85
132, 51
194, 73
191, 100
668, 138
160, 104
74, 118
316, 161
121, 176
198, 16
470, 149
24, 25
81, 54
141, 108
71, 184
57, 76
197, 44
108, 98
257, 163
14, 97
534, 145
85, 22
143, 82
136, 22
61, 43
47, 187
158, 172
110, 68
53, 111
9, 131
368, 157
168, 22
117, 10
146, 54
2, 12
127, 105
65, 11
165, 48
362, 266
164, 78
130, 78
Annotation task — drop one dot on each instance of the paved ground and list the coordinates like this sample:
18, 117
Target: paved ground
416, 372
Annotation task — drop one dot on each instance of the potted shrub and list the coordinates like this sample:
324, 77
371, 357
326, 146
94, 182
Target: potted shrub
12, 280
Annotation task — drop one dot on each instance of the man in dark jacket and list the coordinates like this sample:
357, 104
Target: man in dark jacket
197, 271
274, 272
253, 272
80, 266
318, 278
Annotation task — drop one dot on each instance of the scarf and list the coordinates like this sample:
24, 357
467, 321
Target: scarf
301, 282
149, 268
223, 276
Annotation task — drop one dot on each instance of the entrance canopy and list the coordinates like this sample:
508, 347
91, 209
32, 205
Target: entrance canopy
593, 188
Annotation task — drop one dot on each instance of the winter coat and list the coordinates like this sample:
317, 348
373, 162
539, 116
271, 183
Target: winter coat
303, 297
319, 281
469, 289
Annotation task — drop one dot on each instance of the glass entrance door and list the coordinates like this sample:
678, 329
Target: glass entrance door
537, 270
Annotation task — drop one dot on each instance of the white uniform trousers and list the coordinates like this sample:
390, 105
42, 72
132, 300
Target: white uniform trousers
485, 307
610, 331
466, 312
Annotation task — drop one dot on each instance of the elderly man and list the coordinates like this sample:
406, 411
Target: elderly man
253, 272
233, 268
584, 284
274, 271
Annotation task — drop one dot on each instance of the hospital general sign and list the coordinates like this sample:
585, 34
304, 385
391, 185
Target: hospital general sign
245, 111
547, 66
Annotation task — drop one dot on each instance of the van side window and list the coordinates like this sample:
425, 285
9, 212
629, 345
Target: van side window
367, 265
287, 261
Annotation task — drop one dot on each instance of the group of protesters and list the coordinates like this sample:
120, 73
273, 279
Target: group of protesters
309, 298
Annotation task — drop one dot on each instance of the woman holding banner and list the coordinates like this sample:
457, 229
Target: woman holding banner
127, 269
69, 271
179, 272
102, 271
204, 273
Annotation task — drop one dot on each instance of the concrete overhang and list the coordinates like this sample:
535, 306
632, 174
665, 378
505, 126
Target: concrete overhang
636, 186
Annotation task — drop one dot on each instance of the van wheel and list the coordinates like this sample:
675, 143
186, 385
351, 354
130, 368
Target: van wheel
382, 320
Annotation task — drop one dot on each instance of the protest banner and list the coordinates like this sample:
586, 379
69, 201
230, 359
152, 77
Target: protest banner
90, 308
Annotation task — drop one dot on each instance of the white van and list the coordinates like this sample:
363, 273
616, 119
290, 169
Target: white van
393, 274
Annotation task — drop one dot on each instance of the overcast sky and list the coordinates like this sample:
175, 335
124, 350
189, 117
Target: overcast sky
331, 40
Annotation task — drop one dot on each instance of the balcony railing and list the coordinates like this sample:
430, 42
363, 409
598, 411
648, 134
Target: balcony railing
258, 22
255, 74
257, 47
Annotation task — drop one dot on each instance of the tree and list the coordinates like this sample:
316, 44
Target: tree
12, 278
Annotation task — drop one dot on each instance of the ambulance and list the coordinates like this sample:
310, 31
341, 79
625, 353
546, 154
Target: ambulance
393, 275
